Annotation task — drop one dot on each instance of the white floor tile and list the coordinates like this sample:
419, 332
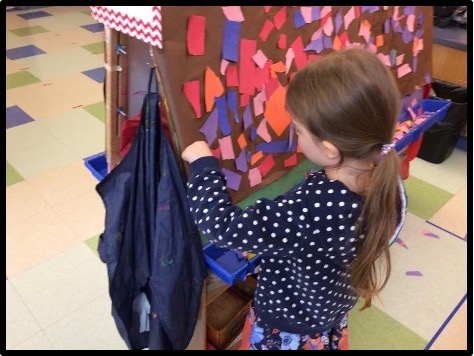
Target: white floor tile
38, 342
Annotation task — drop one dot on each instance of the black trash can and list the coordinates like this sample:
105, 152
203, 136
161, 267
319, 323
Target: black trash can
440, 139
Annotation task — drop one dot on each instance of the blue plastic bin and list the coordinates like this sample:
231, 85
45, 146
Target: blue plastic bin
437, 107
97, 164
227, 264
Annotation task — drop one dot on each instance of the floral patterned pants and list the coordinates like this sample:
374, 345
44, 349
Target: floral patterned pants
258, 336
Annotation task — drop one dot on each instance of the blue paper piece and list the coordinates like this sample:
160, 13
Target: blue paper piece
276, 146
247, 117
230, 42
232, 102
315, 13
241, 161
253, 133
222, 115
298, 19
209, 129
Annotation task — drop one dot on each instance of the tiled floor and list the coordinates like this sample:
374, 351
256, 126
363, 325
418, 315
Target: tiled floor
56, 286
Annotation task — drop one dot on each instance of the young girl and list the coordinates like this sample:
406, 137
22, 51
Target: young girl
326, 243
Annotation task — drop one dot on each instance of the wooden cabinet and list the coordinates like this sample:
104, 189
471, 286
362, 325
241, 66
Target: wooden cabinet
450, 64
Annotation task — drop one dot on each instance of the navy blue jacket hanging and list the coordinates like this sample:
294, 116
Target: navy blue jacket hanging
150, 244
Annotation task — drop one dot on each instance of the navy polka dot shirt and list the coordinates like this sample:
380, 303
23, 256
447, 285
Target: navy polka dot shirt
305, 238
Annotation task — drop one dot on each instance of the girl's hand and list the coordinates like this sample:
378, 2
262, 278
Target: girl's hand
196, 150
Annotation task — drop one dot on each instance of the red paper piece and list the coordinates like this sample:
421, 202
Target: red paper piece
232, 79
247, 66
244, 99
266, 165
300, 55
267, 8
216, 152
266, 29
195, 37
280, 17
282, 41
191, 90
291, 161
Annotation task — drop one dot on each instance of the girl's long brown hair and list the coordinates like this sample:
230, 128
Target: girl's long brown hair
350, 99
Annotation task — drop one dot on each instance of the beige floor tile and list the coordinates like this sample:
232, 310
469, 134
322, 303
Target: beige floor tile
23, 137
73, 278
64, 20
9, 103
422, 303
60, 10
38, 342
41, 158
453, 216
78, 130
13, 66
66, 38
454, 335
64, 183
35, 240
20, 324
89, 328
14, 22
44, 99
85, 215
58, 63
450, 175
22, 202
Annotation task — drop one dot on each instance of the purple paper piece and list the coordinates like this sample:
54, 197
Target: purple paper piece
276, 147
247, 117
316, 45
241, 161
414, 63
222, 115
232, 102
414, 273
233, 179
209, 129
420, 18
396, 26
338, 20
230, 42
298, 19
409, 10
291, 135
370, 9
327, 40
407, 36
315, 14
427, 77
386, 26
419, 33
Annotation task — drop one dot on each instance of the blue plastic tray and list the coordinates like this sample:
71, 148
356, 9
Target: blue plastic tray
227, 264
437, 107
97, 164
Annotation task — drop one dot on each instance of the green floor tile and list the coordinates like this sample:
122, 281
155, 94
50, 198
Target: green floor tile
19, 79
97, 109
92, 243
95, 48
424, 199
372, 329
12, 175
28, 31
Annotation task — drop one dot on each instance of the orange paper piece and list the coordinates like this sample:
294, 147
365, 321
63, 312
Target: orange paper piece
213, 88
275, 111
336, 44
379, 41
191, 90
242, 141
279, 67
256, 157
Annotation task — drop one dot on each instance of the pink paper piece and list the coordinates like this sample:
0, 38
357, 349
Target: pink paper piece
262, 131
306, 13
233, 13
399, 59
227, 150
328, 27
258, 101
260, 59
191, 90
255, 177
196, 34
224, 64
289, 56
349, 17
403, 70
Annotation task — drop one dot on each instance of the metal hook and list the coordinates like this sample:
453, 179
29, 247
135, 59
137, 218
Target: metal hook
120, 49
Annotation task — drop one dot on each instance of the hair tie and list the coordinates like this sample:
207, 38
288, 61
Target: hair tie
386, 148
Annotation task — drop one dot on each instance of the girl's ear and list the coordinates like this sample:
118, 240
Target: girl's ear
332, 152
